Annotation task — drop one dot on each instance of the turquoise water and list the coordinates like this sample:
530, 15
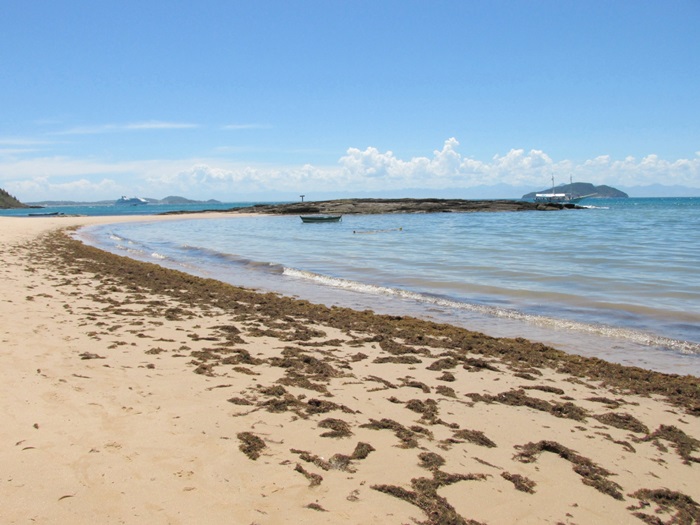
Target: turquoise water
619, 280
109, 209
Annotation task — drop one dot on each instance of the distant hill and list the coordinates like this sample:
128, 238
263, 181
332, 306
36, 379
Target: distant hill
8, 201
167, 200
172, 199
580, 189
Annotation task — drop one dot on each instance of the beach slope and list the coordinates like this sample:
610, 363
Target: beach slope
137, 394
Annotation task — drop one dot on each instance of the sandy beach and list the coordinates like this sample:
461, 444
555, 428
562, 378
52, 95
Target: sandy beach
136, 394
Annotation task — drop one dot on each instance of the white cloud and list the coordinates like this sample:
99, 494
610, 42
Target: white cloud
446, 168
16, 146
43, 188
119, 128
360, 171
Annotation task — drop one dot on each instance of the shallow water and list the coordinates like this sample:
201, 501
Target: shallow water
618, 281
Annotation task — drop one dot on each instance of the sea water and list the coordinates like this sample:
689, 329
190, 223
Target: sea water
100, 209
618, 280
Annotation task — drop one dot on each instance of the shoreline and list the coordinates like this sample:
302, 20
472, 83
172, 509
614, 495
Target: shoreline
160, 396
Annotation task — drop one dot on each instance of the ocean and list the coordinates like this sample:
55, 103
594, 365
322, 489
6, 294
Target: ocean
619, 280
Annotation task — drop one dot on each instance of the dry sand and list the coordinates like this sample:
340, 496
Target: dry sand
133, 394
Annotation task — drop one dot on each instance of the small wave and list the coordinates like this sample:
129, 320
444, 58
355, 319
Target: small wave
120, 240
638, 337
231, 258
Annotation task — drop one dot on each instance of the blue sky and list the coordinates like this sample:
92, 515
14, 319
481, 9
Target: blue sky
224, 99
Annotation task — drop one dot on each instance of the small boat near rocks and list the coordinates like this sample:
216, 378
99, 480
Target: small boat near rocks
561, 197
321, 218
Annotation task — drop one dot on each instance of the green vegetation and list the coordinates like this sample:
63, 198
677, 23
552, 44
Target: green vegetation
8, 201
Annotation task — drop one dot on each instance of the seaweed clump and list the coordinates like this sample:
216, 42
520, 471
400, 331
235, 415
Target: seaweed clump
520, 398
425, 496
251, 445
431, 460
521, 483
684, 444
314, 479
338, 428
591, 474
476, 437
337, 461
623, 421
406, 435
687, 511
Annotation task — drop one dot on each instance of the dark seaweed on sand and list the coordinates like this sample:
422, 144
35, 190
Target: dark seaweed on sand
445, 391
337, 461
316, 506
320, 406
521, 483
405, 435
71, 256
314, 479
425, 492
399, 359
251, 445
428, 409
544, 388
623, 421
475, 364
687, 511
448, 377
591, 474
684, 444
412, 383
520, 398
444, 364
431, 460
476, 437
338, 428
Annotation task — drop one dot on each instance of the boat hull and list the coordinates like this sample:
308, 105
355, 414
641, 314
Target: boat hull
320, 218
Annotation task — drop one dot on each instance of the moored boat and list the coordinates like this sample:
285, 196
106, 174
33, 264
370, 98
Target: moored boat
558, 197
48, 214
321, 218
562, 197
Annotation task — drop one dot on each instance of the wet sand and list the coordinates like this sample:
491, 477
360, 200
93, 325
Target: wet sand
133, 394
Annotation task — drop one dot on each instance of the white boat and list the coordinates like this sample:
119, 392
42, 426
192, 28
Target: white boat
557, 197
321, 218
133, 201
561, 198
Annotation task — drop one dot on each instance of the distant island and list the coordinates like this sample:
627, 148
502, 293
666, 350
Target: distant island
8, 201
581, 189
172, 199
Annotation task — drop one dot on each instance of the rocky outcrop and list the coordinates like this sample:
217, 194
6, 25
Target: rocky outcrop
370, 206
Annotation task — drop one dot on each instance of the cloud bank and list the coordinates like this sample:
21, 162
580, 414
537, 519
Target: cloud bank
361, 171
